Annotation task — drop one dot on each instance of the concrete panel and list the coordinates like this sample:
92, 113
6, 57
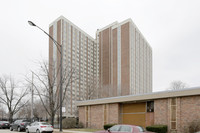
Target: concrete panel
125, 60
114, 54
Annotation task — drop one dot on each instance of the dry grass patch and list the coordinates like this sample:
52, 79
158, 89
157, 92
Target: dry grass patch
85, 129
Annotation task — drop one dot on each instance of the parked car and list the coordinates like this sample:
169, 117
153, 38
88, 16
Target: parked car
124, 129
4, 124
39, 127
19, 125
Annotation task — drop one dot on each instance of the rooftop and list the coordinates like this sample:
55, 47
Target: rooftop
143, 97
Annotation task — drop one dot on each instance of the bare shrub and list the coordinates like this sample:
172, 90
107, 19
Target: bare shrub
69, 123
193, 127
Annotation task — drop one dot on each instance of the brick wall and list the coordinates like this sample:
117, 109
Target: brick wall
161, 111
82, 114
113, 113
149, 118
96, 115
188, 110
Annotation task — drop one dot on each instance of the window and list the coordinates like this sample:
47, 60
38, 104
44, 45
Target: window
105, 114
125, 129
87, 116
44, 123
16, 122
150, 106
173, 113
115, 128
140, 129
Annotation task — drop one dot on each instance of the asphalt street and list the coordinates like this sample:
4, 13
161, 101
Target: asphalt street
55, 131
8, 131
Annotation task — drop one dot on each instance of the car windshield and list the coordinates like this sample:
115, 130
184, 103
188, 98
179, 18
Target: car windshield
25, 121
140, 129
125, 128
44, 123
115, 128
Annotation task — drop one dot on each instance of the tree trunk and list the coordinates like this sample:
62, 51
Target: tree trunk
10, 116
52, 119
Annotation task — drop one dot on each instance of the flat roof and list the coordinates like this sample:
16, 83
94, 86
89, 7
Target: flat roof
65, 19
143, 97
117, 24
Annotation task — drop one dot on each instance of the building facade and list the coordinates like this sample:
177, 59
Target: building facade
179, 110
118, 62
79, 58
125, 60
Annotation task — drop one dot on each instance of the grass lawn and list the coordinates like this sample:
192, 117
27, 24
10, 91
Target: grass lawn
85, 129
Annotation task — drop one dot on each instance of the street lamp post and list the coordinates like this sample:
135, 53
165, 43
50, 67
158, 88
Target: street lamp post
60, 51
32, 99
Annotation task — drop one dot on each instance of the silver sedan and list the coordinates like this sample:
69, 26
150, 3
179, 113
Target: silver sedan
39, 127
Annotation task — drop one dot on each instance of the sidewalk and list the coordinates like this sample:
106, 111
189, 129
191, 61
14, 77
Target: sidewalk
70, 131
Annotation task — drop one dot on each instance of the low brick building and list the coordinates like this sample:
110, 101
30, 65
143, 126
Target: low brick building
176, 109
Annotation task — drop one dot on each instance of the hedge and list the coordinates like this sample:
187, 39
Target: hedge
157, 128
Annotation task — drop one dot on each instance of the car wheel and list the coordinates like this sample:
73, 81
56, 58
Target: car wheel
27, 131
38, 131
19, 129
11, 128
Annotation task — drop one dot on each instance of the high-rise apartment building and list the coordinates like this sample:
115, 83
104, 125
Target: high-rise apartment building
118, 62
125, 60
79, 56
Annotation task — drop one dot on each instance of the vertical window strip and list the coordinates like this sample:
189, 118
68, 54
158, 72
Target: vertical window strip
105, 114
86, 116
132, 60
119, 60
130, 69
55, 53
173, 114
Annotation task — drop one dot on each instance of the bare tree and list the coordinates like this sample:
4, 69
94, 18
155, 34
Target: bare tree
91, 91
3, 113
25, 112
176, 85
39, 110
47, 84
12, 95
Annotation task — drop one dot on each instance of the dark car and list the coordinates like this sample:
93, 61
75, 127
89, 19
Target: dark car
19, 125
4, 124
124, 129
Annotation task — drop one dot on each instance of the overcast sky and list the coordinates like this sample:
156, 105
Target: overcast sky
172, 28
